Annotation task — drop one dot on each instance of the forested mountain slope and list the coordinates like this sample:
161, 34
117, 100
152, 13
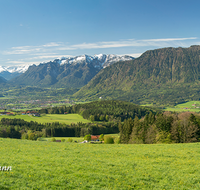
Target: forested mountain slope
164, 76
52, 73
66, 72
2, 80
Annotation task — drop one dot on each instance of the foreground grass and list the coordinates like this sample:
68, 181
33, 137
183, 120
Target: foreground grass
50, 118
48, 165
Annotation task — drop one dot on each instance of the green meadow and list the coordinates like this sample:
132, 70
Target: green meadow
188, 106
50, 118
53, 165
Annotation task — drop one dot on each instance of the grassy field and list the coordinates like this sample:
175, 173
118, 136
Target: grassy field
188, 106
51, 165
50, 118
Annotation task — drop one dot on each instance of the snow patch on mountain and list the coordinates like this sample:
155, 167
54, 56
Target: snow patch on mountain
14, 69
98, 61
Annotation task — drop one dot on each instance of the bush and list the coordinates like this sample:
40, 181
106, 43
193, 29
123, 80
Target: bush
117, 140
108, 139
24, 136
53, 140
69, 140
62, 140
32, 136
87, 137
101, 137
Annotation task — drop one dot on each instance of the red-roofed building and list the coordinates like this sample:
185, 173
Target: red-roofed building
95, 137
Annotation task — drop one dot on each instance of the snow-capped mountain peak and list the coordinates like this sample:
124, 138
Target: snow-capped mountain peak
98, 61
13, 69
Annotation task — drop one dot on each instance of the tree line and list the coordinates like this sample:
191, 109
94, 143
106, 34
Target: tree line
18, 128
164, 127
103, 110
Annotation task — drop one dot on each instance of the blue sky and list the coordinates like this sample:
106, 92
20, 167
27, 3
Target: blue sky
35, 31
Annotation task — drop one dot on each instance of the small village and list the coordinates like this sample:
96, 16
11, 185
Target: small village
32, 104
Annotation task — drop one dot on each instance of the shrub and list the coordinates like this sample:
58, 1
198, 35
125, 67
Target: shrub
62, 140
24, 136
53, 140
69, 140
101, 137
117, 140
108, 139
31, 136
87, 137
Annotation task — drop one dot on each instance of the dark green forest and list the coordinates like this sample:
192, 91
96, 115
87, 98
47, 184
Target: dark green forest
18, 128
164, 127
102, 110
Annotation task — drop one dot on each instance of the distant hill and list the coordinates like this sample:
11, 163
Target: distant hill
66, 72
164, 76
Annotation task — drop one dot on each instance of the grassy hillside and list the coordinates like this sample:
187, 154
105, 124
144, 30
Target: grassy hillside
50, 118
161, 76
49, 165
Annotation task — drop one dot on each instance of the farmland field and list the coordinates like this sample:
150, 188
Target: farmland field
49, 118
191, 106
51, 165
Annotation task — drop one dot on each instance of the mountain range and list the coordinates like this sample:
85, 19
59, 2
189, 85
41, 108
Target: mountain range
160, 76
65, 72
167, 75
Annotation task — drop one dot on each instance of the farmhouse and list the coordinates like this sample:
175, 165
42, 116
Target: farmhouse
6, 113
33, 113
95, 137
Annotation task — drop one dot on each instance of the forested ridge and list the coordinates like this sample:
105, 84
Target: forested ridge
102, 110
164, 76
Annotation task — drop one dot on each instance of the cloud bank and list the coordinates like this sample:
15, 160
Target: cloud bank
53, 50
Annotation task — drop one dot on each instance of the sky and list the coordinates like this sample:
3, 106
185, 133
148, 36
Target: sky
36, 31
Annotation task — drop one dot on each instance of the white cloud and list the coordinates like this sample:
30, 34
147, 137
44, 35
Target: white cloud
132, 42
49, 57
53, 46
39, 59
135, 55
54, 50
31, 49
169, 39
22, 62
